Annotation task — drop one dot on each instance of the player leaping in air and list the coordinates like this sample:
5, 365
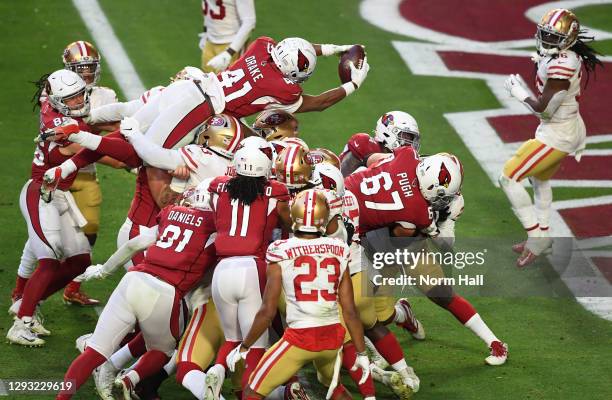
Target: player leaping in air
561, 54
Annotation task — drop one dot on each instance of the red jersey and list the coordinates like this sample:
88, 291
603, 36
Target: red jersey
245, 230
253, 82
143, 209
388, 192
47, 154
361, 145
179, 256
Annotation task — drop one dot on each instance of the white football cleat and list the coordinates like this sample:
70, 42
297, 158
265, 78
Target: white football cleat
214, 382
295, 391
403, 388
123, 389
21, 333
411, 324
104, 377
36, 325
81, 342
499, 353
534, 247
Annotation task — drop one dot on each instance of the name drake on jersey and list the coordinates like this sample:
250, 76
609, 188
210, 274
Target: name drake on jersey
324, 248
252, 65
188, 219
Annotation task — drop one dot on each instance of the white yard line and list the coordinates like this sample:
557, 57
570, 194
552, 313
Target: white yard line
113, 53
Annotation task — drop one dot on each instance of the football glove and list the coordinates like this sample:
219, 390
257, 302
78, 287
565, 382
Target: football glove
129, 126
94, 272
350, 229
514, 85
358, 75
234, 357
220, 61
331, 49
362, 362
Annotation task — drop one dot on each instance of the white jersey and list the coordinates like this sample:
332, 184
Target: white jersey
223, 19
202, 164
312, 270
564, 129
350, 212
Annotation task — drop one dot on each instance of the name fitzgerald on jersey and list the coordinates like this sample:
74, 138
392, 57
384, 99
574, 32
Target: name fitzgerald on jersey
324, 248
189, 219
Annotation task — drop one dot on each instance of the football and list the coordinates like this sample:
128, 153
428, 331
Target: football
356, 54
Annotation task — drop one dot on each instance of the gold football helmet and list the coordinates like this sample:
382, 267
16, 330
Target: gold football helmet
83, 58
309, 212
557, 31
322, 155
292, 167
222, 134
276, 125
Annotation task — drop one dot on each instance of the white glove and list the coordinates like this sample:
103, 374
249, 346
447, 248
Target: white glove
362, 362
514, 86
129, 126
234, 357
94, 272
331, 49
220, 61
53, 175
202, 42
358, 75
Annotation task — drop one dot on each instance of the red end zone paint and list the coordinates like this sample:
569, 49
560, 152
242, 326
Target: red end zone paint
604, 264
594, 102
589, 221
589, 167
483, 20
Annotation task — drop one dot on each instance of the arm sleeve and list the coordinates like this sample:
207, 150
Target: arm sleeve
290, 108
114, 112
155, 155
125, 252
246, 13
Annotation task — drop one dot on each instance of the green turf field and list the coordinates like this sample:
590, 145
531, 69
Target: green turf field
557, 349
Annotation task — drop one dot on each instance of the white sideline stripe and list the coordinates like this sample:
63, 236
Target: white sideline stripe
110, 47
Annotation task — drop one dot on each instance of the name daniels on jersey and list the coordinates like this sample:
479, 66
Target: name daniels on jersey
251, 63
324, 248
188, 219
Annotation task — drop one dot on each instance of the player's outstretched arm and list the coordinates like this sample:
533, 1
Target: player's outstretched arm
544, 105
269, 306
148, 151
121, 256
333, 96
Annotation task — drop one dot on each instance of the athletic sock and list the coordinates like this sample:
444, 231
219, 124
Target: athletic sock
122, 356
36, 286
20, 284
194, 381
461, 309
150, 363
349, 355
478, 326
389, 348
80, 369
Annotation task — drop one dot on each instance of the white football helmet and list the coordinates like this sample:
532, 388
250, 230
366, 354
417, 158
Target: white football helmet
196, 198
296, 58
329, 177
397, 128
65, 85
254, 157
440, 177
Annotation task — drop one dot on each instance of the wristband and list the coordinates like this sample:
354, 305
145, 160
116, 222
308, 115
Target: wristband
349, 87
362, 354
327, 50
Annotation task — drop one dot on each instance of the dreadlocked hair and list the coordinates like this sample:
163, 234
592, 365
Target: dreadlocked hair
42, 85
587, 53
246, 189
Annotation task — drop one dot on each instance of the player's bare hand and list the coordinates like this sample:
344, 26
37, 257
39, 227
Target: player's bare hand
180, 172
362, 362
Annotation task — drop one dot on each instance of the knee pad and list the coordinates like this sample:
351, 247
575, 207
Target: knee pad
442, 295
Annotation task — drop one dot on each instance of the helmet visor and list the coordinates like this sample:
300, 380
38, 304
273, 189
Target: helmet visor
549, 39
406, 137
87, 71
